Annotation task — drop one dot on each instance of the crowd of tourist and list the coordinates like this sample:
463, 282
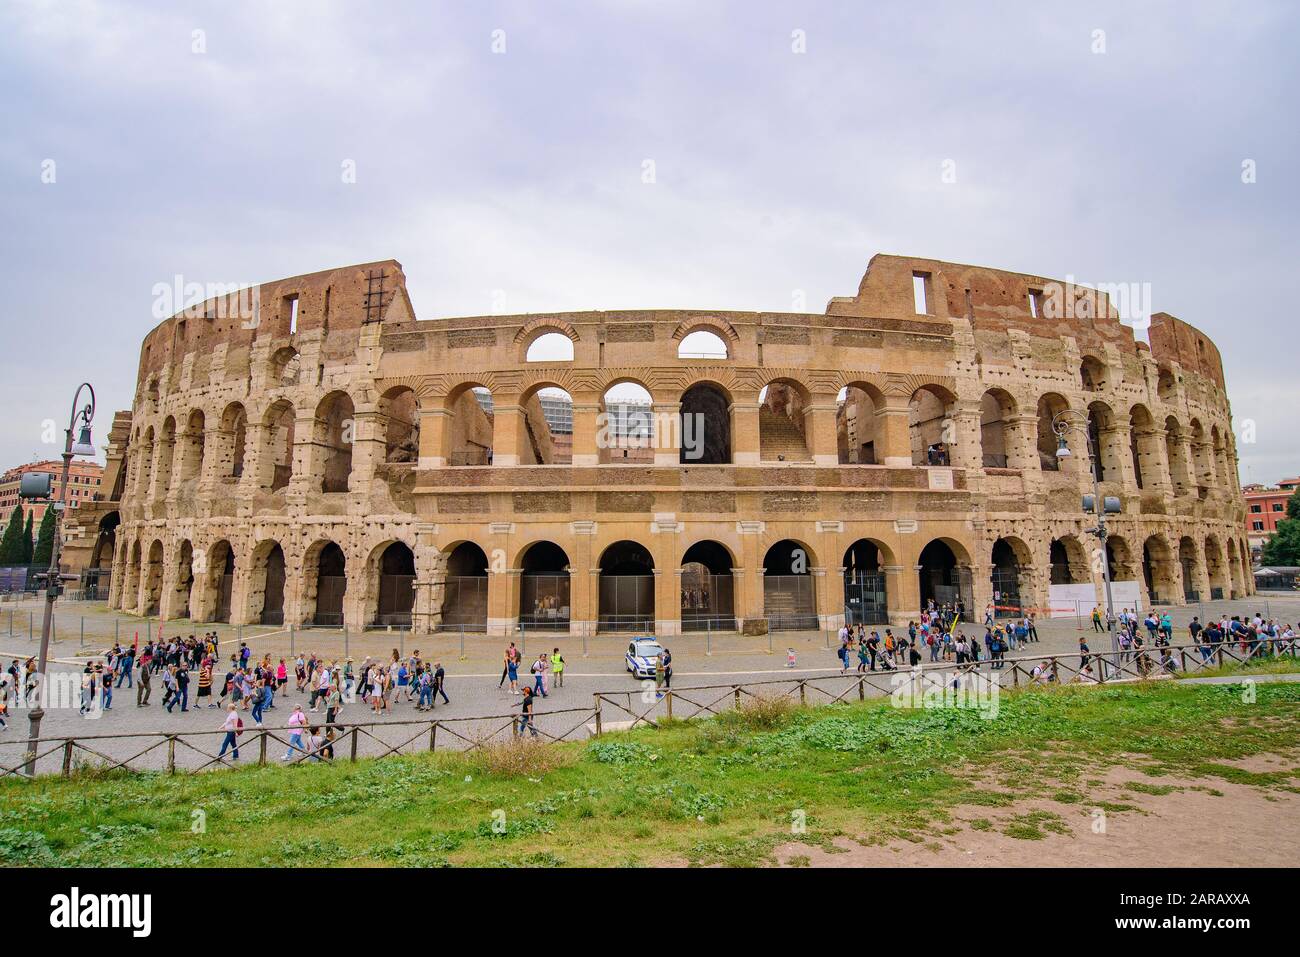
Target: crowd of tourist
938, 636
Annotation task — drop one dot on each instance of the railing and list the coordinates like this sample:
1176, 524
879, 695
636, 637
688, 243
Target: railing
611, 710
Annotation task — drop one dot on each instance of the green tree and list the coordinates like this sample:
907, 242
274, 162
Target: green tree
1283, 547
44, 540
28, 548
11, 545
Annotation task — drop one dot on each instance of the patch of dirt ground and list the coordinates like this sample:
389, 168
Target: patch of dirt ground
1148, 822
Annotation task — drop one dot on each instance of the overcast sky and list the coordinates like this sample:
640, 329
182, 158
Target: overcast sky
515, 181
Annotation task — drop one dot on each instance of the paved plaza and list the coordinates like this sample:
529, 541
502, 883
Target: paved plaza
472, 679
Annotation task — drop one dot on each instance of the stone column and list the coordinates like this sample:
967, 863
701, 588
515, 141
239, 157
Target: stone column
586, 430
508, 430
1118, 439
828, 595
503, 601
582, 584
668, 433
747, 580
893, 433
903, 590
433, 426
819, 432
369, 449
966, 454
745, 432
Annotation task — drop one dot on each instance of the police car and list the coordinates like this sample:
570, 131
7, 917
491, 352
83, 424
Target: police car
641, 655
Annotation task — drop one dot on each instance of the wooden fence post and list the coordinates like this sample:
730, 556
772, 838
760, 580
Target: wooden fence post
261, 748
67, 757
668, 697
353, 756
862, 689
433, 735
803, 694
597, 709
736, 688
171, 754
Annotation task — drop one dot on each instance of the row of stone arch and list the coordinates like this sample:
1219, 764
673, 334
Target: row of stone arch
321, 587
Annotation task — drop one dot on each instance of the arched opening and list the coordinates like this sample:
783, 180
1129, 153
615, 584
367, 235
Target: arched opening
164, 454
1216, 570
547, 422
866, 600
702, 344
331, 585
1176, 455
97, 579
1010, 578
269, 573
277, 447
1187, 559
1142, 443
192, 447
931, 426
1157, 570
1049, 406
782, 431
944, 578
468, 429
550, 347
465, 589
1062, 570
399, 420
707, 596
1101, 425
396, 568
221, 572
1165, 385
333, 439
1092, 374
1119, 560
789, 592
131, 590
234, 433
627, 588
997, 410
544, 603
285, 367
153, 575
184, 587
705, 426
625, 434
1201, 458
857, 407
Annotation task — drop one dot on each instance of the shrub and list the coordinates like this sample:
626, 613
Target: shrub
518, 758
762, 712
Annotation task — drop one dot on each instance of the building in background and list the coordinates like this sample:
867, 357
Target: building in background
85, 481
1265, 507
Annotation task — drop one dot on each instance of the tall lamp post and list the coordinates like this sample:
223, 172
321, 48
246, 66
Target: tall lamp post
1062, 424
53, 581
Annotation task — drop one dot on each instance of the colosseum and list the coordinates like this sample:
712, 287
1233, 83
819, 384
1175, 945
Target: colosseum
331, 460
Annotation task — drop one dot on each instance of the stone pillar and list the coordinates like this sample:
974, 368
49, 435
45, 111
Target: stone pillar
668, 610
893, 433
982, 588
503, 601
587, 431
369, 449
828, 595
819, 433
508, 430
966, 454
255, 457
903, 590
582, 584
745, 433
747, 580
1022, 443
430, 582
668, 433
1117, 439
433, 427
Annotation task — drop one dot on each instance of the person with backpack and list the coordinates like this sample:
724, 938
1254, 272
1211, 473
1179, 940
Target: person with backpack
233, 726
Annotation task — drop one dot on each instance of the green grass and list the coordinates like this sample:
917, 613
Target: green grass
725, 791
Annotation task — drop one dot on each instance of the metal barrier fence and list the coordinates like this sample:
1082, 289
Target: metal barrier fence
616, 710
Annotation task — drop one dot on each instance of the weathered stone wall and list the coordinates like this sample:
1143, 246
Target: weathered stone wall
248, 436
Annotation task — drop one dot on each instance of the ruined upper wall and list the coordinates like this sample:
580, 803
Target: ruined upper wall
332, 303
1173, 340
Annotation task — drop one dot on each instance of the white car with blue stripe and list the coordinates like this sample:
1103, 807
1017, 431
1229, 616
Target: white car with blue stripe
641, 655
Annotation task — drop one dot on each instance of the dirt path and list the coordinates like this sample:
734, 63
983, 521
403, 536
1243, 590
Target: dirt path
1205, 822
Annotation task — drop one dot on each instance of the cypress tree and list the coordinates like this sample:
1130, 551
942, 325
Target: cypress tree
28, 548
44, 540
11, 546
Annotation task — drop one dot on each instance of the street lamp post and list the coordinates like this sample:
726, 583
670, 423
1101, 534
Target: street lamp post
1062, 423
82, 446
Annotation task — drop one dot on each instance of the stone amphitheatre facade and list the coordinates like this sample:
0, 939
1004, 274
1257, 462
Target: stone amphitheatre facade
333, 461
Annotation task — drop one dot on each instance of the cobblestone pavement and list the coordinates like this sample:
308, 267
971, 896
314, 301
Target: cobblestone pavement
472, 684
